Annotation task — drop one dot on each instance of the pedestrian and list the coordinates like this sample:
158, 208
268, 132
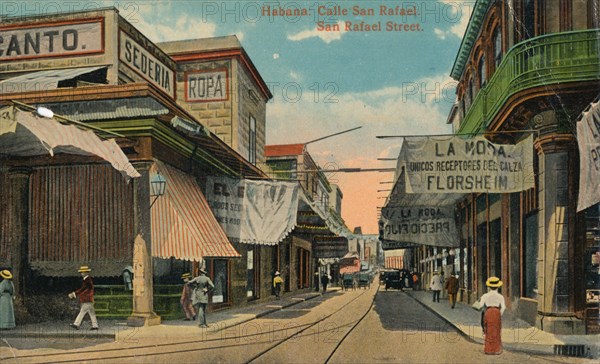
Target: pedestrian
7, 310
452, 288
186, 298
277, 283
324, 281
415, 279
86, 299
202, 287
493, 305
436, 286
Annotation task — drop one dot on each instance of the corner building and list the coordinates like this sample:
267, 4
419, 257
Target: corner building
523, 67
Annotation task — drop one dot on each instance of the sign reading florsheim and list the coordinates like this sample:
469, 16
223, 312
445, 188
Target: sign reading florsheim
421, 225
458, 165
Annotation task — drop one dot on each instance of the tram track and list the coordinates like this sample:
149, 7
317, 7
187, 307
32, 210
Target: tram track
354, 324
189, 346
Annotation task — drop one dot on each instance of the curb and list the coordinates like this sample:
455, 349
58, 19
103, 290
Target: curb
540, 349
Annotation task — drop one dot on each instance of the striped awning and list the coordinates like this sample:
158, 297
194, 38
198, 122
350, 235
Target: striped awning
183, 225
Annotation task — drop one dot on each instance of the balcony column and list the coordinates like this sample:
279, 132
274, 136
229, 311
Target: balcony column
557, 207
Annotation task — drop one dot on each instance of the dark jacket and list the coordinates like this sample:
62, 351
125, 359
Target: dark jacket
324, 279
86, 292
452, 285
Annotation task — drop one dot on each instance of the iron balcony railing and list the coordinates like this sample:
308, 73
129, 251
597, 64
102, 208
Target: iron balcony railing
537, 62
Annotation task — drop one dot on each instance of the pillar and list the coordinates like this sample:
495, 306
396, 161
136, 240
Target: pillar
556, 235
19, 215
143, 289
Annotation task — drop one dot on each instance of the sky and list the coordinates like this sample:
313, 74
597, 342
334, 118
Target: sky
387, 82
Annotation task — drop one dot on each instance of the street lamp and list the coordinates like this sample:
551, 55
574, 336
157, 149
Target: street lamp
158, 185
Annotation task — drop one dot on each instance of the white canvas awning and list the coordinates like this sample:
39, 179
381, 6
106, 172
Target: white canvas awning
24, 134
46, 80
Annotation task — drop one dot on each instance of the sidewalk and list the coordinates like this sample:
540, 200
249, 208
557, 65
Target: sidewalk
117, 330
517, 334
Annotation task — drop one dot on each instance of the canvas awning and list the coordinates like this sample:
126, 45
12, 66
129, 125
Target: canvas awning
24, 134
51, 79
588, 140
183, 225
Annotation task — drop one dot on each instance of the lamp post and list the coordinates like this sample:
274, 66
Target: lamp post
158, 185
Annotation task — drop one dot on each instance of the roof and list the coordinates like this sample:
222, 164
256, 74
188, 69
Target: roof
193, 50
282, 150
469, 38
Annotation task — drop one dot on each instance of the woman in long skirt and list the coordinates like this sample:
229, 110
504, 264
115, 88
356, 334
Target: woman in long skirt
7, 312
494, 306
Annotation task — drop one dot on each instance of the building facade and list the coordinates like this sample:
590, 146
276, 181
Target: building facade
528, 67
96, 68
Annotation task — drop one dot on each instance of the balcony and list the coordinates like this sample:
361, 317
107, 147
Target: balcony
542, 61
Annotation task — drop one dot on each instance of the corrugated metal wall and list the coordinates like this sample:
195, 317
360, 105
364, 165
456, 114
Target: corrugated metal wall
80, 214
5, 230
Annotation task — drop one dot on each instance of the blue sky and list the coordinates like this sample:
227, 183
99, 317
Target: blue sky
390, 83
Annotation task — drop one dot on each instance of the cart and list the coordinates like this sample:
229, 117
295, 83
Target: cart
348, 281
364, 280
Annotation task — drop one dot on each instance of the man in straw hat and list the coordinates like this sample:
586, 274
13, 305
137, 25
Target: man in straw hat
202, 287
86, 299
186, 298
277, 283
7, 291
494, 306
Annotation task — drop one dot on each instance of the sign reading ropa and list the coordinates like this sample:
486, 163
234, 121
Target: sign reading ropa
433, 226
204, 86
76, 38
458, 165
145, 64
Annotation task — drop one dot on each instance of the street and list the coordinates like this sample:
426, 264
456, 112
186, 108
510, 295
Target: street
356, 326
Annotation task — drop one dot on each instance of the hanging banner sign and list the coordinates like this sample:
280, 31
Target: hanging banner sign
459, 165
255, 212
434, 226
588, 140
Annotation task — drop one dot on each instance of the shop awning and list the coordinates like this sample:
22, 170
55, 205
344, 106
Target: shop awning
51, 79
24, 134
183, 225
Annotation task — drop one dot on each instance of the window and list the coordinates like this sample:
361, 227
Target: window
529, 18
497, 39
530, 255
252, 140
218, 272
482, 72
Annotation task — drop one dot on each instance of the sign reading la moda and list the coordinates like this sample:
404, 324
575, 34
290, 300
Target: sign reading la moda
76, 38
203, 86
145, 64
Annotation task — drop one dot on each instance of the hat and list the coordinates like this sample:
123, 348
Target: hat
84, 269
493, 282
6, 274
186, 275
277, 273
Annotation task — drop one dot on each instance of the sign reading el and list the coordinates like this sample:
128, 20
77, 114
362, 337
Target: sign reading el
145, 64
52, 40
204, 86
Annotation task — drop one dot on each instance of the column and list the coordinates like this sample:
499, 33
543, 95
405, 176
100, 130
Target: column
143, 301
556, 234
19, 215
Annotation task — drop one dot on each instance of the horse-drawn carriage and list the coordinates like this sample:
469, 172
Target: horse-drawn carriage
348, 281
364, 280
